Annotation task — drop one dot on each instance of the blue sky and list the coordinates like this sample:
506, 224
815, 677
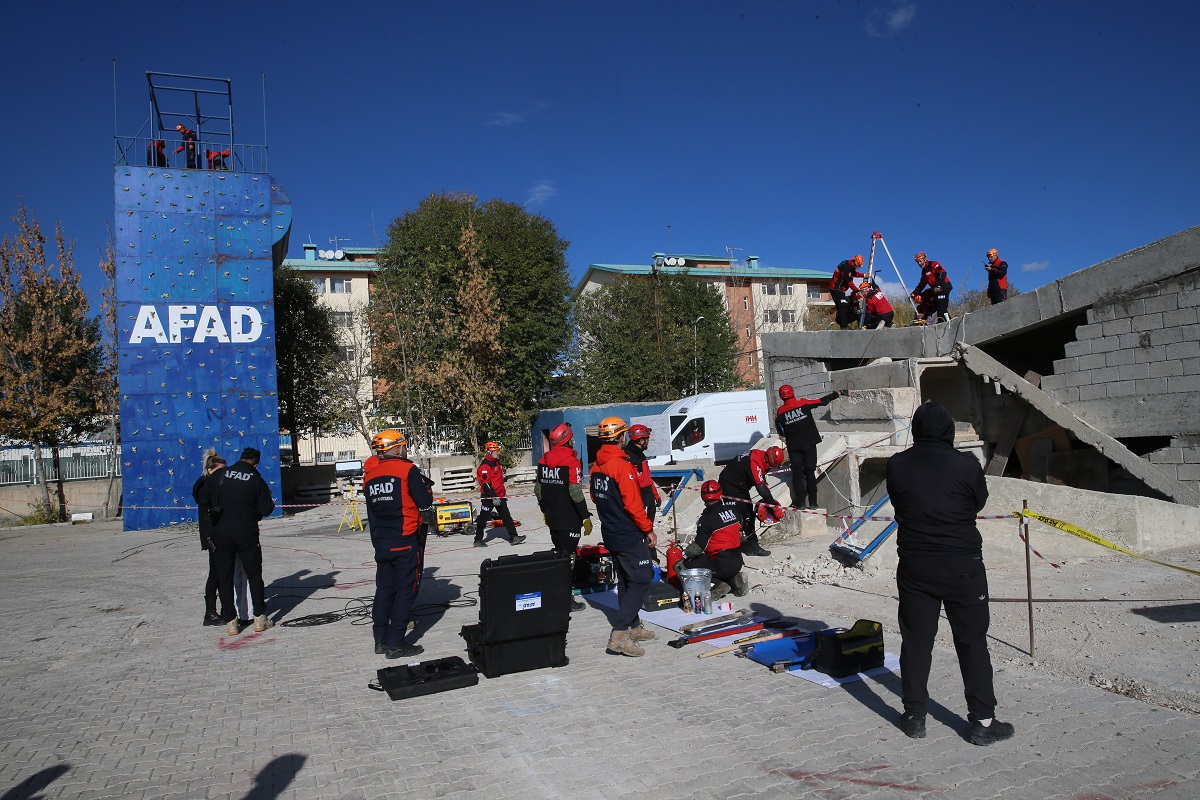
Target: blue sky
1061, 133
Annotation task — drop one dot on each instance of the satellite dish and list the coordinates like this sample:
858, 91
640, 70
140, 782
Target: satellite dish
671, 261
323, 253
338, 254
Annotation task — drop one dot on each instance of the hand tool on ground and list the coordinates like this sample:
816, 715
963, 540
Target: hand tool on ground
700, 637
750, 641
715, 622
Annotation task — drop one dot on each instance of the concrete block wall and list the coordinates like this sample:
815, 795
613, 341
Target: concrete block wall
1180, 459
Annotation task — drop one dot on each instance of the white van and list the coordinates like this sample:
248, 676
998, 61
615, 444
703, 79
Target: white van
717, 426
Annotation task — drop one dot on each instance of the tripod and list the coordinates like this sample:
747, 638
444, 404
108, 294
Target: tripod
876, 236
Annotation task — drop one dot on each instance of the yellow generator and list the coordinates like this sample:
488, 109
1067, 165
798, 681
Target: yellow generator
453, 517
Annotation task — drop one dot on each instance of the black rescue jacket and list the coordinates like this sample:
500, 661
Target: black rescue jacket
243, 496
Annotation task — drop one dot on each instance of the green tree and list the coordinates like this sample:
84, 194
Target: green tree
421, 279
306, 346
52, 389
618, 359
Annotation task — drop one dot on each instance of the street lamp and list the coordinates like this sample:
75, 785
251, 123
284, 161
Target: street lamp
696, 356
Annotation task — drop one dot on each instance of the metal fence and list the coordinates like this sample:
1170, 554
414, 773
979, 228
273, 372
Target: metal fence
141, 151
77, 463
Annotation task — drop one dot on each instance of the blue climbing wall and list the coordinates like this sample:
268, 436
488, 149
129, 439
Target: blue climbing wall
196, 250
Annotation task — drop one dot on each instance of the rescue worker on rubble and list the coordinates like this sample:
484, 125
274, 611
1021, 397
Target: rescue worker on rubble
879, 310
399, 508
750, 469
796, 426
628, 534
997, 271
717, 545
493, 503
933, 290
639, 439
560, 496
937, 492
841, 288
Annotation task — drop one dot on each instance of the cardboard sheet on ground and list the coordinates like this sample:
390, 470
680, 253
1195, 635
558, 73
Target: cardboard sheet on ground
766, 653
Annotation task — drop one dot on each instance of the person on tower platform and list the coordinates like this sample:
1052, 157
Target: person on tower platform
399, 507
796, 426
156, 154
841, 288
216, 158
189, 144
628, 534
997, 270
717, 546
494, 501
879, 310
933, 290
750, 469
560, 495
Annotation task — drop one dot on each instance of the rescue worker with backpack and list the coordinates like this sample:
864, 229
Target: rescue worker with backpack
841, 288
627, 532
750, 469
560, 495
493, 503
399, 508
717, 545
932, 293
796, 426
639, 438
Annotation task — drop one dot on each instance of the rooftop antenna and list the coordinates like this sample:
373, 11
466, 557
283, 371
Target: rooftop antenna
732, 251
336, 253
670, 244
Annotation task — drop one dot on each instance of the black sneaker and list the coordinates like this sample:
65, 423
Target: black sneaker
996, 732
759, 551
578, 606
811, 505
380, 648
913, 725
516, 540
213, 618
480, 543
404, 651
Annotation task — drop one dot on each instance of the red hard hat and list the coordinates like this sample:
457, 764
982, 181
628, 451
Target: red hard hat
710, 492
786, 392
638, 432
561, 433
774, 456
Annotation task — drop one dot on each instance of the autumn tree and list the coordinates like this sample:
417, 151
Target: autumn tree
305, 351
109, 381
51, 355
618, 359
352, 371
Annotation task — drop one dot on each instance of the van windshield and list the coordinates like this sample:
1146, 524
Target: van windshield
689, 434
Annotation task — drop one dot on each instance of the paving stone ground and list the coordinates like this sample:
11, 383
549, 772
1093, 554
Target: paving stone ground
110, 688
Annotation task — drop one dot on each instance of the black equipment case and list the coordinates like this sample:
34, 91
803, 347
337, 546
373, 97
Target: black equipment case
661, 595
524, 613
840, 653
427, 677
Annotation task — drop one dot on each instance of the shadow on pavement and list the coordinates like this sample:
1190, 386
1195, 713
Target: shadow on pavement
28, 789
273, 779
286, 593
1187, 612
434, 599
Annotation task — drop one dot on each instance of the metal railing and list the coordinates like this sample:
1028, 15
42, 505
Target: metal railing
78, 463
139, 151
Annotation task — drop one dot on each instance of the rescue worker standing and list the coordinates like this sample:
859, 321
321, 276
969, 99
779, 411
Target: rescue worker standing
717, 544
796, 426
213, 463
628, 534
933, 290
878, 308
399, 503
750, 469
841, 288
997, 270
639, 439
560, 495
189, 144
936, 492
243, 498
494, 501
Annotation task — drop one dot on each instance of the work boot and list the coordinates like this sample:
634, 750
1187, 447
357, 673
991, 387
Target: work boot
913, 725
234, 627
757, 550
720, 589
380, 647
480, 543
404, 651
577, 605
620, 644
811, 505
262, 622
741, 585
516, 540
213, 618
641, 633
984, 735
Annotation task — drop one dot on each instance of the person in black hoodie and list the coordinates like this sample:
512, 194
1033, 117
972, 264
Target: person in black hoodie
211, 617
243, 498
937, 492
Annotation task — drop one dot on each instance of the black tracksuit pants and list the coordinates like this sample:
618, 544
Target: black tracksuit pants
724, 565
397, 581
804, 475
926, 584
494, 508
634, 576
745, 509
210, 586
841, 302
248, 550
565, 543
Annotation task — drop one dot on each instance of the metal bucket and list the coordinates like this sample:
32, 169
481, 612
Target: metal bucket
697, 590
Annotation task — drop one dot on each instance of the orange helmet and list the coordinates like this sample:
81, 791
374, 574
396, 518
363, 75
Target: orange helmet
638, 432
857, 261
865, 286
786, 392
774, 456
561, 433
490, 446
710, 492
386, 440
611, 428
919, 257
992, 255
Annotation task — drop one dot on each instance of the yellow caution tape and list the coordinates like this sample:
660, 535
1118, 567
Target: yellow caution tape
1075, 530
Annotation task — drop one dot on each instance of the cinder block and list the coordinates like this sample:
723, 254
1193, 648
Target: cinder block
1183, 350
1191, 366
1188, 472
1103, 313
1119, 358
1051, 383
1167, 455
1178, 317
1069, 394
1166, 369
1095, 391
1148, 355
1147, 322
1076, 349
1127, 372
1189, 298
1077, 378
1163, 302
1106, 375
1166, 336
1089, 331
1095, 361
1122, 388
1191, 455
1152, 386
1105, 344
1115, 327
1188, 383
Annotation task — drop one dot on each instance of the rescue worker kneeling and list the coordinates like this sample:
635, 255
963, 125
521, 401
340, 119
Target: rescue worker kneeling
717, 543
